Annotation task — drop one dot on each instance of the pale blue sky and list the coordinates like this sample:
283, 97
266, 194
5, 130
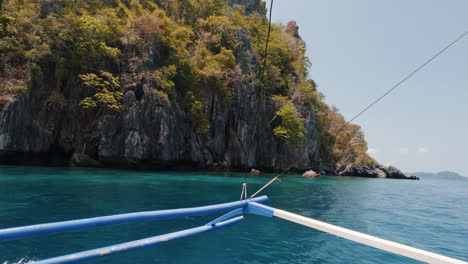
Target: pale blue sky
361, 48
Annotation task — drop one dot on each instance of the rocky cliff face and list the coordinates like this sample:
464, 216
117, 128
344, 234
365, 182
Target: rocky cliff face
150, 135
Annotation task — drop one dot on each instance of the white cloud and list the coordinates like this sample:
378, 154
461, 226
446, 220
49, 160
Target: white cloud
404, 151
372, 151
423, 150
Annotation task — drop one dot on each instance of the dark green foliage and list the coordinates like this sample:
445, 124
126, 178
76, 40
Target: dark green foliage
290, 128
106, 97
164, 79
160, 97
210, 67
197, 111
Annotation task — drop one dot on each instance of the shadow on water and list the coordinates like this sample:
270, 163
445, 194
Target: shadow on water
425, 214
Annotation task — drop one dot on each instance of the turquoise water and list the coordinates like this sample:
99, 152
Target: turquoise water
430, 214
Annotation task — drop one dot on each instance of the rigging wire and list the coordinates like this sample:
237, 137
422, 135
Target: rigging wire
367, 107
270, 182
262, 78
262, 73
408, 77
394, 87
244, 188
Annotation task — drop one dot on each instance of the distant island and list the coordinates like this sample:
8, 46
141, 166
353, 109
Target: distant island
440, 175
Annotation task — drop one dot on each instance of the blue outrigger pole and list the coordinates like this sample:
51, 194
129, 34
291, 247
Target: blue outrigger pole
58, 227
235, 208
247, 206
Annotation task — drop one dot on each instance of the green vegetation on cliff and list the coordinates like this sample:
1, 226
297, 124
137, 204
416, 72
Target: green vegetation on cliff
183, 48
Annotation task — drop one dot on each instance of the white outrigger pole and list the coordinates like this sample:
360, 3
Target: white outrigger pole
372, 241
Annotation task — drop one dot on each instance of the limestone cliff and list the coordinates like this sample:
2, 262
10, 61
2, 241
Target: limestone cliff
156, 123
149, 135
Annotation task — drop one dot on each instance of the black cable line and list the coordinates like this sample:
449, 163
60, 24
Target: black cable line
397, 85
407, 77
262, 72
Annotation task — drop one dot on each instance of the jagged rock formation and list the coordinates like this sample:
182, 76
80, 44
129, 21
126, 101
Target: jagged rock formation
147, 135
47, 124
378, 171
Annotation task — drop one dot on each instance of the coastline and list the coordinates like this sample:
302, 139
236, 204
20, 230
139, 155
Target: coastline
352, 171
